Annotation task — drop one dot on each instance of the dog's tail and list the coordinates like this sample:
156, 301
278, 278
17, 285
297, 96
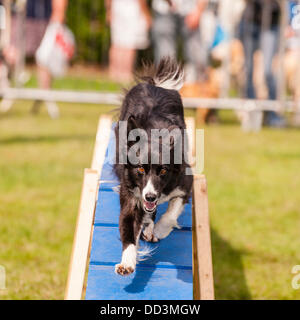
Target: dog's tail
168, 74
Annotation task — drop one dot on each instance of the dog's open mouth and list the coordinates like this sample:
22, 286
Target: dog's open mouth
150, 206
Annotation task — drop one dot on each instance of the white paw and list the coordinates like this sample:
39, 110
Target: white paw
128, 262
148, 234
164, 227
123, 270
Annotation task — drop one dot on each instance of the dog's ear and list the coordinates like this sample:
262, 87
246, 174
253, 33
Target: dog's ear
131, 123
175, 136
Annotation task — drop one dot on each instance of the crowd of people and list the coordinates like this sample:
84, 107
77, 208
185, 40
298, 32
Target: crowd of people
202, 27
197, 31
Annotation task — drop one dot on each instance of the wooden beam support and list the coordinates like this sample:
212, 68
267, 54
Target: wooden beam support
85, 219
203, 242
82, 236
102, 139
191, 129
202, 254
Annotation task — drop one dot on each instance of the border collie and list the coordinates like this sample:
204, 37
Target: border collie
153, 105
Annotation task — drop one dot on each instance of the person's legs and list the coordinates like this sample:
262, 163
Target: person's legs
5, 104
112, 68
121, 63
45, 81
129, 32
126, 61
164, 36
269, 46
195, 53
115, 62
44, 78
250, 37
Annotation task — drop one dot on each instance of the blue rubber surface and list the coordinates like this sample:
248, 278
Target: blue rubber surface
108, 208
145, 284
165, 275
168, 252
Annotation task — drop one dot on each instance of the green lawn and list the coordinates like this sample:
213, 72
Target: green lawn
71, 82
253, 182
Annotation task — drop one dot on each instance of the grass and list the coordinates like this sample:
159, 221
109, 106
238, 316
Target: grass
253, 192
253, 182
71, 82
41, 170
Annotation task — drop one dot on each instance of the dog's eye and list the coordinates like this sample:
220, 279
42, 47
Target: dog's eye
141, 170
163, 171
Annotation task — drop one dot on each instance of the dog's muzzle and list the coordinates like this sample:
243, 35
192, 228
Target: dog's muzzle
150, 206
150, 202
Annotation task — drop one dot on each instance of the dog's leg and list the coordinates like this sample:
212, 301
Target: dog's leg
148, 232
169, 220
130, 231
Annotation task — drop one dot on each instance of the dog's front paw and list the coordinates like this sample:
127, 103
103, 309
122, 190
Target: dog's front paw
148, 234
164, 227
123, 270
128, 261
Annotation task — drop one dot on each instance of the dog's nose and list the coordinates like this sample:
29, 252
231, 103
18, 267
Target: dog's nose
150, 197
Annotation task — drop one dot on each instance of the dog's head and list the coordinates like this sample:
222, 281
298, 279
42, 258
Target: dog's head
154, 159
150, 180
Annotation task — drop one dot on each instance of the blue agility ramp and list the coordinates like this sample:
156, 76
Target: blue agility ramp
166, 274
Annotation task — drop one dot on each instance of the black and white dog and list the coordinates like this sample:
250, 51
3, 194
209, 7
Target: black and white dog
153, 105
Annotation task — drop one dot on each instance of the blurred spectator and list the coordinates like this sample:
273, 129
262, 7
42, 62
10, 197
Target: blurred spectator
180, 17
55, 33
292, 56
3, 67
52, 62
129, 21
260, 29
32, 33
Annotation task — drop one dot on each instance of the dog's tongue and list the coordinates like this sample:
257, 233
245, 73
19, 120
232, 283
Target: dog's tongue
150, 205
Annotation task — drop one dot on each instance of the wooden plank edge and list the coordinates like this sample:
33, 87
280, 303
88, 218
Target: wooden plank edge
76, 278
191, 128
203, 239
81, 243
102, 139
